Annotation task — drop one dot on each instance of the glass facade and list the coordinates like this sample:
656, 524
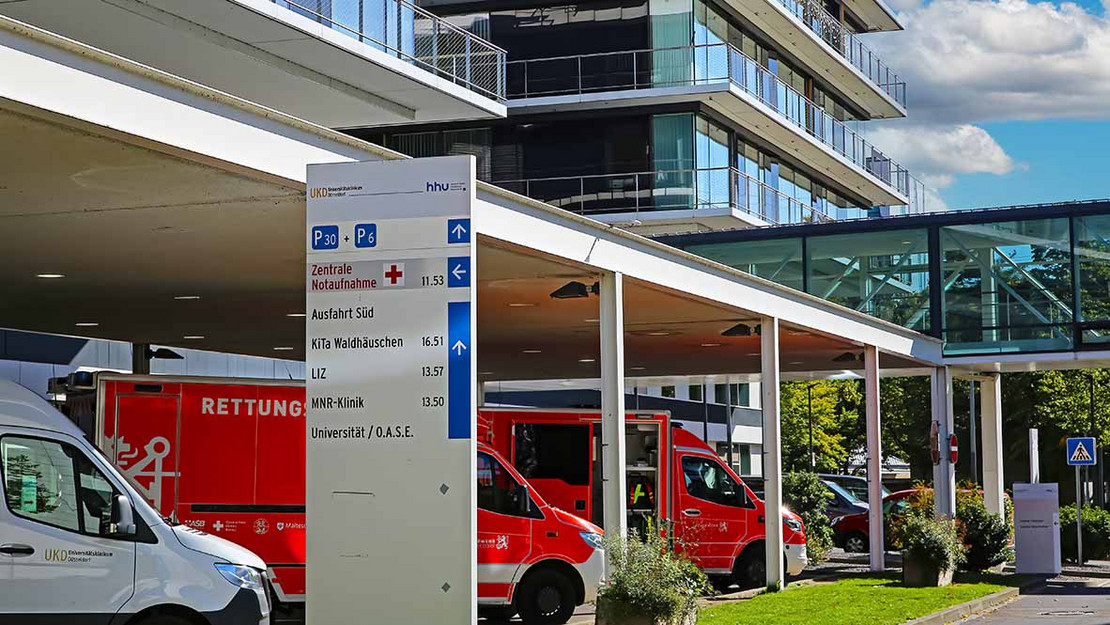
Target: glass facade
1030, 279
674, 161
1008, 286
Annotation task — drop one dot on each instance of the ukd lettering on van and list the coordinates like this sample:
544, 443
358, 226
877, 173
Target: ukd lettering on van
240, 406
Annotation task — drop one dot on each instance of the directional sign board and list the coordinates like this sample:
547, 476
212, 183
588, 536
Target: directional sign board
1081, 451
390, 330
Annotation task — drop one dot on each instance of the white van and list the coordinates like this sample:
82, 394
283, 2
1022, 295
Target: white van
79, 544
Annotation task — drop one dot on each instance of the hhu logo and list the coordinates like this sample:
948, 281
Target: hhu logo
435, 187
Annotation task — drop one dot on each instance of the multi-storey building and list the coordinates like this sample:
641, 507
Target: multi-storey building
684, 115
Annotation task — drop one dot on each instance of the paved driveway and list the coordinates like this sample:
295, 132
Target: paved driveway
1059, 603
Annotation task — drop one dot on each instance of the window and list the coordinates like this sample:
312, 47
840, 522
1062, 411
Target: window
55, 484
696, 392
553, 451
499, 492
706, 479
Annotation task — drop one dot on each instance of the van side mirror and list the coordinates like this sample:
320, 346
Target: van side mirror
122, 521
523, 499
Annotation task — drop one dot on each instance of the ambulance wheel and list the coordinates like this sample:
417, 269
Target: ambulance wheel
751, 568
546, 598
722, 583
165, 619
497, 614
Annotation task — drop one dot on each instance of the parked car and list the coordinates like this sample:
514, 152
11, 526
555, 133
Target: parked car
854, 484
851, 532
843, 503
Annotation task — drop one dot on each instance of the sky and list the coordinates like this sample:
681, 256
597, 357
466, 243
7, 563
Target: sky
1008, 100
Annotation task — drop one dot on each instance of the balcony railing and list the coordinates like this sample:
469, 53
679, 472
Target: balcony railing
844, 41
415, 36
681, 189
699, 65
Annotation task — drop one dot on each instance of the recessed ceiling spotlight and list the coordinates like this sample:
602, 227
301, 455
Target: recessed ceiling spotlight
50, 276
294, 314
186, 297
587, 360
193, 337
521, 305
591, 320
637, 368
530, 351
283, 349
795, 362
86, 324
710, 344
659, 333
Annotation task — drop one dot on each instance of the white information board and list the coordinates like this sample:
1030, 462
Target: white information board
1037, 528
391, 518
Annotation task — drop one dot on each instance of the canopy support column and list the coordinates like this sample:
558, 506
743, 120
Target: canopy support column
772, 450
944, 473
874, 458
991, 386
612, 404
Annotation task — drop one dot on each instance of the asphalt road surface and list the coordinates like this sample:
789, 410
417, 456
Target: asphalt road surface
1059, 603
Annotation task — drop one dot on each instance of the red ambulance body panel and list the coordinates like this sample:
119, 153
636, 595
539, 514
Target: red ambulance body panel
227, 457
671, 474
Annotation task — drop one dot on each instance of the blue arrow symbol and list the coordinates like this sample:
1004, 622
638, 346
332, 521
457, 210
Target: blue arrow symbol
458, 231
458, 347
458, 272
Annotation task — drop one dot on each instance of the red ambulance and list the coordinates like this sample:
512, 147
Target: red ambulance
227, 457
671, 474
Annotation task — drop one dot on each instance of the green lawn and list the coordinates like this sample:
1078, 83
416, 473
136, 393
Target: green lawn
874, 600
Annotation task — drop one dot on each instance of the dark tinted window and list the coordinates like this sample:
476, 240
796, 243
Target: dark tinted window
498, 491
553, 451
707, 479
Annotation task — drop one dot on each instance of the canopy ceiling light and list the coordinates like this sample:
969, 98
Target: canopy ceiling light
575, 290
163, 353
848, 357
742, 329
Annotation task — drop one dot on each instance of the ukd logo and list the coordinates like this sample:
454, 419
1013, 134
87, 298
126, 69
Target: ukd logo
57, 555
318, 192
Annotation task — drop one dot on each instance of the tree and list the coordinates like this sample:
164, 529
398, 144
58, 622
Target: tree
835, 406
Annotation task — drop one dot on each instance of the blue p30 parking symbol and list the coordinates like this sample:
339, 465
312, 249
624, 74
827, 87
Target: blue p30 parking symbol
325, 237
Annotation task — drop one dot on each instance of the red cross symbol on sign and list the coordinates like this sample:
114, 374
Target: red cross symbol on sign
396, 274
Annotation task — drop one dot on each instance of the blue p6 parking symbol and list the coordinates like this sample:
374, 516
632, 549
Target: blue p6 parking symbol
366, 235
325, 237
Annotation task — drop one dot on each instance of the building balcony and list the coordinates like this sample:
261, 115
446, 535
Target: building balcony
337, 63
829, 50
721, 77
683, 200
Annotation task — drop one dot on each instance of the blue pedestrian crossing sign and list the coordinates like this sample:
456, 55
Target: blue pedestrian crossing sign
1081, 451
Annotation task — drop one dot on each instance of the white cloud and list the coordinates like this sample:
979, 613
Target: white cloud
941, 151
968, 61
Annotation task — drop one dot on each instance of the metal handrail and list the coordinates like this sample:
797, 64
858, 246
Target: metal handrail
642, 191
830, 29
704, 64
420, 38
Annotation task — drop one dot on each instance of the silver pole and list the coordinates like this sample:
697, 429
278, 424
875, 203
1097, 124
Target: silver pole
1078, 519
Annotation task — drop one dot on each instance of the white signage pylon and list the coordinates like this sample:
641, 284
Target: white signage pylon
390, 327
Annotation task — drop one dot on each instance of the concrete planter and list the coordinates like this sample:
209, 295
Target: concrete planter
918, 573
607, 615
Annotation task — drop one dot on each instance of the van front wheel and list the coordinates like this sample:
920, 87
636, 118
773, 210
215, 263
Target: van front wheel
546, 598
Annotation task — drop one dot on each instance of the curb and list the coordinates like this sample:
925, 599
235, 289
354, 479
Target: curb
957, 612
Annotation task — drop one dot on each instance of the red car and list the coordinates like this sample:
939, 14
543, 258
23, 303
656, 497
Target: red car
850, 532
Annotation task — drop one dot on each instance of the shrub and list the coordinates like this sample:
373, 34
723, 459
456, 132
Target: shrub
807, 496
649, 579
1096, 533
985, 535
932, 540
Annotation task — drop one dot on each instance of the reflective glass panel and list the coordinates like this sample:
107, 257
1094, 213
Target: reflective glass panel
1007, 286
885, 274
778, 260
